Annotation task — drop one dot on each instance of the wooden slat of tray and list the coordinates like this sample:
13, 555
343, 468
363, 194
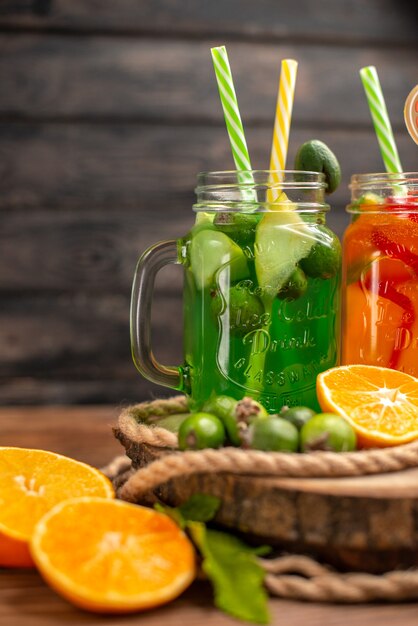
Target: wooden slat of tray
367, 523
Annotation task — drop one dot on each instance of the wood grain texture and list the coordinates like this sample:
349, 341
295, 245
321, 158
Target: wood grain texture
366, 523
50, 341
25, 600
33, 388
79, 251
149, 169
66, 430
82, 337
95, 253
78, 348
79, 204
352, 20
107, 112
98, 77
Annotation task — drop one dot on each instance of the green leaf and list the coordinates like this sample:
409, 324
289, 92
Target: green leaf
262, 550
200, 507
236, 576
175, 514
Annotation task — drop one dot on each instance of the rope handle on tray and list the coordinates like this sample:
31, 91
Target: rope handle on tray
298, 577
237, 461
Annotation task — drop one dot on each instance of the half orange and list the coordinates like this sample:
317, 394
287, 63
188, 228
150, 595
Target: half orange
380, 403
31, 483
109, 556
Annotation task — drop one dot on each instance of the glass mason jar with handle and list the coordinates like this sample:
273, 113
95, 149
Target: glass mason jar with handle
380, 272
261, 294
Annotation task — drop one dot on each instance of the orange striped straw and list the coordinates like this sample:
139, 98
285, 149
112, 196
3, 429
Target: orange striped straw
284, 106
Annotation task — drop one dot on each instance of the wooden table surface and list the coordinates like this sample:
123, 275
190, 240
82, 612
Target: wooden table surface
85, 434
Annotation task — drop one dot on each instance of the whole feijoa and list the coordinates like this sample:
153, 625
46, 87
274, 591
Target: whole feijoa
297, 415
327, 431
224, 408
324, 258
273, 434
315, 156
249, 409
201, 430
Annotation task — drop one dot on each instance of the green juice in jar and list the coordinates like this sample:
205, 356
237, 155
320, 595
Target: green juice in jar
261, 292
261, 307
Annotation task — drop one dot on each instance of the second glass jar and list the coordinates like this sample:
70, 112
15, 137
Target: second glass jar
380, 276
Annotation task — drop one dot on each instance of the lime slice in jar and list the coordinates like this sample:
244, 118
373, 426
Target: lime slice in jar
282, 240
204, 218
211, 250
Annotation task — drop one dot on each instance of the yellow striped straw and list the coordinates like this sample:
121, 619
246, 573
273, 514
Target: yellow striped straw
282, 121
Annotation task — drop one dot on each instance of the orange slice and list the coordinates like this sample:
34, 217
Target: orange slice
380, 403
31, 483
109, 556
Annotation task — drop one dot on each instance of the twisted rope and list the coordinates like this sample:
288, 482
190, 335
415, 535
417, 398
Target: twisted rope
298, 577
118, 465
294, 576
154, 410
277, 464
319, 464
301, 578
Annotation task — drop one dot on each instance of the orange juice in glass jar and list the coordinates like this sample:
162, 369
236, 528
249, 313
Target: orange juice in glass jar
380, 273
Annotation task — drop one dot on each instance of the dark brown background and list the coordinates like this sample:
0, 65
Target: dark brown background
108, 109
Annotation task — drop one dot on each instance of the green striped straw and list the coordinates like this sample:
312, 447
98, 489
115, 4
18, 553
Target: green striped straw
381, 120
233, 120
239, 152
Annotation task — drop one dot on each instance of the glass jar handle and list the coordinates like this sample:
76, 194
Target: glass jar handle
149, 264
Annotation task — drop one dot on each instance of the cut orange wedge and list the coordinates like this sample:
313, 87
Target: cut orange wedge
109, 556
31, 483
380, 403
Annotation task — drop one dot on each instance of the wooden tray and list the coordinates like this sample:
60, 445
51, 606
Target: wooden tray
367, 523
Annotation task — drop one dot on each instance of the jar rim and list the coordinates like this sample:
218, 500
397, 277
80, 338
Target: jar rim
260, 191
382, 209
377, 179
283, 178
262, 207
381, 192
